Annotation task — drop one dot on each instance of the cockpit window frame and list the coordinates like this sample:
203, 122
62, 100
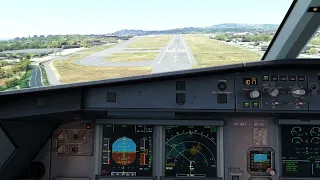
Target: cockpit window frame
279, 29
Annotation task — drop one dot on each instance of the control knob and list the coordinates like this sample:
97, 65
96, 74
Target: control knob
297, 92
61, 149
273, 92
271, 171
314, 86
254, 94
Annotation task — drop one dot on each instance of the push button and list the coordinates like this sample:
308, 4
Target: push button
255, 104
111, 97
301, 78
274, 78
246, 104
180, 98
265, 78
292, 78
283, 78
222, 99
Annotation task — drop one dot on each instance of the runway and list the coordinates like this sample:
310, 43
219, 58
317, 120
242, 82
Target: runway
177, 56
36, 77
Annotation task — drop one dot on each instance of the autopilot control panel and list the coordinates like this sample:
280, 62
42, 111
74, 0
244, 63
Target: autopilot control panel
274, 90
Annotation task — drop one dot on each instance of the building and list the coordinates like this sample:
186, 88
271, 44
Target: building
107, 36
96, 42
70, 46
264, 47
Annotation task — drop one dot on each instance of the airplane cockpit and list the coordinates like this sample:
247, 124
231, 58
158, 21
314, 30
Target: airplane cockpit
257, 120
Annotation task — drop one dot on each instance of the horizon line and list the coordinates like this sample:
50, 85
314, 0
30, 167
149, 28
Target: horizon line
7, 38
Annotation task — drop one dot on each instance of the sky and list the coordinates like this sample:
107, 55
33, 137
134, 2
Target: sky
21, 18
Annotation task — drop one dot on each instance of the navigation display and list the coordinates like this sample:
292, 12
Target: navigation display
191, 151
127, 150
260, 161
300, 150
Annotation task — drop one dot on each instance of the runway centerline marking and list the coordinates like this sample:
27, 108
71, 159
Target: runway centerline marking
185, 46
165, 52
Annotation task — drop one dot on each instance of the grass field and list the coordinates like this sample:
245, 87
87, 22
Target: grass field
209, 52
132, 57
151, 42
44, 75
71, 73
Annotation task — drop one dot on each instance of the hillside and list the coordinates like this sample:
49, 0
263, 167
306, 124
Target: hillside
227, 27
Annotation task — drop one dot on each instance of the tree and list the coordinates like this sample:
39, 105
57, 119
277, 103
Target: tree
8, 56
26, 56
2, 73
4, 63
16, 55
312, 51
12, 82
315, 41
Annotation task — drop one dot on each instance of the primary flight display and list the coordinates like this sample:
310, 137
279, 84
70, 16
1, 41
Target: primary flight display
127, 150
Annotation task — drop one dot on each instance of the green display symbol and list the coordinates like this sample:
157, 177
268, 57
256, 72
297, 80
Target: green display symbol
213, 129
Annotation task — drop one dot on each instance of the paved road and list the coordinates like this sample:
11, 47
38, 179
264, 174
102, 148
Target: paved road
52, 77
36, 77
176, 56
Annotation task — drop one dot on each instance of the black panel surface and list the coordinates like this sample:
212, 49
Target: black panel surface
6, 147
204, 92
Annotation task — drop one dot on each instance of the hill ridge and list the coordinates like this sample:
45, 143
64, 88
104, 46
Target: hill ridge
224, 27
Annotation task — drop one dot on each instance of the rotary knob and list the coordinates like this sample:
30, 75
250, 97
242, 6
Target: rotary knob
271, 171
254, 94
61, 149
298, 92
314, 86
61, 137
273, 92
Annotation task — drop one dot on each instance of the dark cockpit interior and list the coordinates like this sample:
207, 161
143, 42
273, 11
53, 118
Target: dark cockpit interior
257, 121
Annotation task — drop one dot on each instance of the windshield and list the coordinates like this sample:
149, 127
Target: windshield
312, 49
46, 42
